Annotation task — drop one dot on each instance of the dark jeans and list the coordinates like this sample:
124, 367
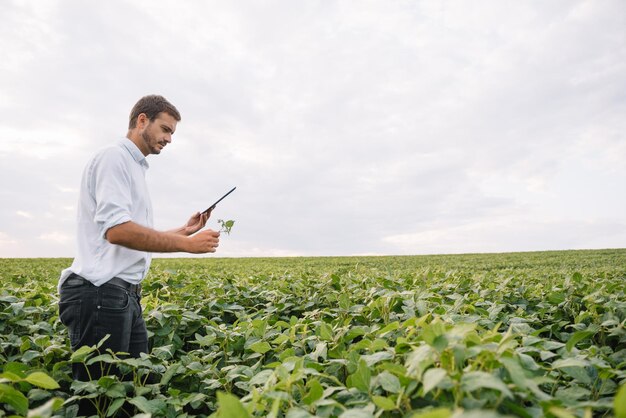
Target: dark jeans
90, 313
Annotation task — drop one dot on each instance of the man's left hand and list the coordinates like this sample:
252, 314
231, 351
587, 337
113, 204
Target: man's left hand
196, 222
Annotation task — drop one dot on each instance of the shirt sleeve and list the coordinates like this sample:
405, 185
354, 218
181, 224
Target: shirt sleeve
111, 189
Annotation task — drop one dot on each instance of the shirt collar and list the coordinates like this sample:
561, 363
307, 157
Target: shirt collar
134, 151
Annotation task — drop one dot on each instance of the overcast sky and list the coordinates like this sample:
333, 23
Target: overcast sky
348, 127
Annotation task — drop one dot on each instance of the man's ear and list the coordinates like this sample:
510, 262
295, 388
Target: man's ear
142, 121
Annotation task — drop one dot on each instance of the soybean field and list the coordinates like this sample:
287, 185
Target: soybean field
538, 334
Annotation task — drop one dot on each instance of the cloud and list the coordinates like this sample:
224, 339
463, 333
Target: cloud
523, 235
5, 239
56, 237
348, 128
24, 214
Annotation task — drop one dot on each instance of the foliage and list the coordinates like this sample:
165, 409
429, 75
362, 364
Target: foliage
526, 334
226, 226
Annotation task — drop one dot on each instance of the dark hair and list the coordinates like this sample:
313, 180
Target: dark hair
152, 105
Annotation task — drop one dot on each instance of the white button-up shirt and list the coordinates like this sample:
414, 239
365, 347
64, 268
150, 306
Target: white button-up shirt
113, 191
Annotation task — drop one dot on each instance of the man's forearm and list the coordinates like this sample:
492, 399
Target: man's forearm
141, 238
178, 231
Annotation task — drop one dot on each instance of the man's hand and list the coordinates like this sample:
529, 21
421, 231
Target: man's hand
194, 224
204, 242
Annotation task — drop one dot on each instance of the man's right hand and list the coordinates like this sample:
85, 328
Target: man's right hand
204, 242
141, 238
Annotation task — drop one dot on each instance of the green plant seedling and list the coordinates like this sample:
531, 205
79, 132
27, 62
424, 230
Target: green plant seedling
226, 226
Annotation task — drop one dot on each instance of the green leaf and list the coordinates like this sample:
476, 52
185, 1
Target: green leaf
561, 412
204, 340
384, 403
226, 226
15, 398
47, 409
473, 381
356, 413
11, 376
114, 406
194, 399
42, 380
326, 332
433, 413
171, 371
390, 327
569, 362
620, 402
516, 371
372, 359
575, 368
81, 387
18, 369
117, 390
571, 394
556, 298
141, 403
419, 360
153, 406
298, 413
432, 378
229, 406
316, 392
81, 354
102, 358
432, 331
345, 303
30, 355
142, 390
579, 336
106, 381
102, 341
360, 379
321, 350
261, 377
261, 347
389, 382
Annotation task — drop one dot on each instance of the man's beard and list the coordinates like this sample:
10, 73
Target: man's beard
151, 142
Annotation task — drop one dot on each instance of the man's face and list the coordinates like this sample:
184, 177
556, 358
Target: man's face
157, 133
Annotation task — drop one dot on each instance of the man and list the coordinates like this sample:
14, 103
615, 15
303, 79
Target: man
100, 291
